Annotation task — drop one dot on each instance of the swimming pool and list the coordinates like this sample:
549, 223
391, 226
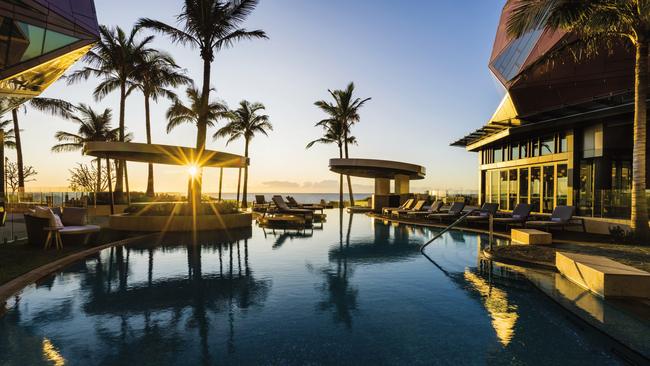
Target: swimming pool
352, 291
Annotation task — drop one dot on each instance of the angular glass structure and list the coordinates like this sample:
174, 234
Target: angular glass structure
39, 40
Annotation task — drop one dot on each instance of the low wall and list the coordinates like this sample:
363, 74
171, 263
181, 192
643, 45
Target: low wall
126, 222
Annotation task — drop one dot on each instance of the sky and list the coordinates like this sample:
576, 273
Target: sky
423, 63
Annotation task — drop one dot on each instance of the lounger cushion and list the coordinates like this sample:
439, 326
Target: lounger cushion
82, 229
74, 216
556, 219
516, 217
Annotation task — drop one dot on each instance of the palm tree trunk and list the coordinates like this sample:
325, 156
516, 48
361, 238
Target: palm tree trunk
99, 176
244, 202
639, 219
147, 119
202, 127
119, 171
19, 152
340, 180
238, 185
348, 177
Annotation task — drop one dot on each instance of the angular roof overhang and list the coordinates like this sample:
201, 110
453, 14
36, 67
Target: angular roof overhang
497, 127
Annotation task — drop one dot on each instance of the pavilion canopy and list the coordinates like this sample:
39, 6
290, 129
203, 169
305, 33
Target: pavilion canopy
163, 154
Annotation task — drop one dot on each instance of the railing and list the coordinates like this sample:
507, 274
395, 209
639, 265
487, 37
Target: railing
451, 226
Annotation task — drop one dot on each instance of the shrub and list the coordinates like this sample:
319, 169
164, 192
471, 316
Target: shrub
181, 208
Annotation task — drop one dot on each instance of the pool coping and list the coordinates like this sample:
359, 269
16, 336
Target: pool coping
16, 285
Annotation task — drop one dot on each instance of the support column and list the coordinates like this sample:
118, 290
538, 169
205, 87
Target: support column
381, 197
402, 184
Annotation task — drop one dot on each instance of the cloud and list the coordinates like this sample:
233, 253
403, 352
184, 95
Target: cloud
277, 184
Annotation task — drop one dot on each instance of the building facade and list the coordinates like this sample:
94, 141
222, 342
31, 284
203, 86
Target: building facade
39, 40
563, 133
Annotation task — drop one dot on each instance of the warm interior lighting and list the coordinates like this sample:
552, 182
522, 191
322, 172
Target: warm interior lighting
192, 170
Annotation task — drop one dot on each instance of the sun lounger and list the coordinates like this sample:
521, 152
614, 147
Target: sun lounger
418, 207
282, 207
434, 208
260, 204
454, 211
560, 218
518, 217
294, 204
405, 206
483, 214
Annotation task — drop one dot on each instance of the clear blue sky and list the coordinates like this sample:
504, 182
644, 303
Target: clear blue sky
424, 63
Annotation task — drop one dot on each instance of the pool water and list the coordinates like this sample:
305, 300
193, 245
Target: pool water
352, 291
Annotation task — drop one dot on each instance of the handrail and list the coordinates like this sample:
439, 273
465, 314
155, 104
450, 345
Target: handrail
452, 225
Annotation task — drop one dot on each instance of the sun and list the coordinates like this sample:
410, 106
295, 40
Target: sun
192, 170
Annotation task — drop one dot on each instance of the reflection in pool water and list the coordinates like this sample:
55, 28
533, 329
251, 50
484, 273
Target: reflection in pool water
353, 291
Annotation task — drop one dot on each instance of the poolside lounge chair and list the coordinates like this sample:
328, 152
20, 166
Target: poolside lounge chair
454, 212
404, 206
560, 218
260, 204
282, 207
416, 208
294, 204
73, 224
518, 217
434, 208
483, 214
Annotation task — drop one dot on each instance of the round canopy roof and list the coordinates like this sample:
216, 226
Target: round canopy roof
372, 168
163, 154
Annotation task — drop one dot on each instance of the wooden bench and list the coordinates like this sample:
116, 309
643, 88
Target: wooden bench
603, 276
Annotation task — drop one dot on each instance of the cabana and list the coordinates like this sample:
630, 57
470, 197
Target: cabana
163, 154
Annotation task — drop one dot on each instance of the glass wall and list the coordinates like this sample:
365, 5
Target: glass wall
562, 193
605, 188
503, 185
523, 185
535, 187
512, 189
548, 188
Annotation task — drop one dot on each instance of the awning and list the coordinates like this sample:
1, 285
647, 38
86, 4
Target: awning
163, 154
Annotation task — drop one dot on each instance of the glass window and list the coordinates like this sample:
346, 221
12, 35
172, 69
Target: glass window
512, 58
563, 145
562, 184
503, 185
514, 151
512, 190
523, 185
534, 147
535, 187
549, 188
523, 150
34, 36
548, 145
494, 186
586, 189
55, 40
498, 155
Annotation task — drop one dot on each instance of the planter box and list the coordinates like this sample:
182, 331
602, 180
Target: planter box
603, 276
531, 237
127, 222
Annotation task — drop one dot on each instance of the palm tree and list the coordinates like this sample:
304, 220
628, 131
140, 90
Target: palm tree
244, 123
114, 59
93, 126
333, 134
155, 73
53, 106
210, 26
599, 24
345, 109
8, 133
179, 113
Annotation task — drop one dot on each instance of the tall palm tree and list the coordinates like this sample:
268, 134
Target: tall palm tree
599, 25
53, 106
345, 109
8, 132
93, 126
114, 61
244, 123
333, 134
179, 113
155, 74
210, 26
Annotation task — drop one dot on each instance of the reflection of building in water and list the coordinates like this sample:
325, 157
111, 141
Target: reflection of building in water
504, 316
